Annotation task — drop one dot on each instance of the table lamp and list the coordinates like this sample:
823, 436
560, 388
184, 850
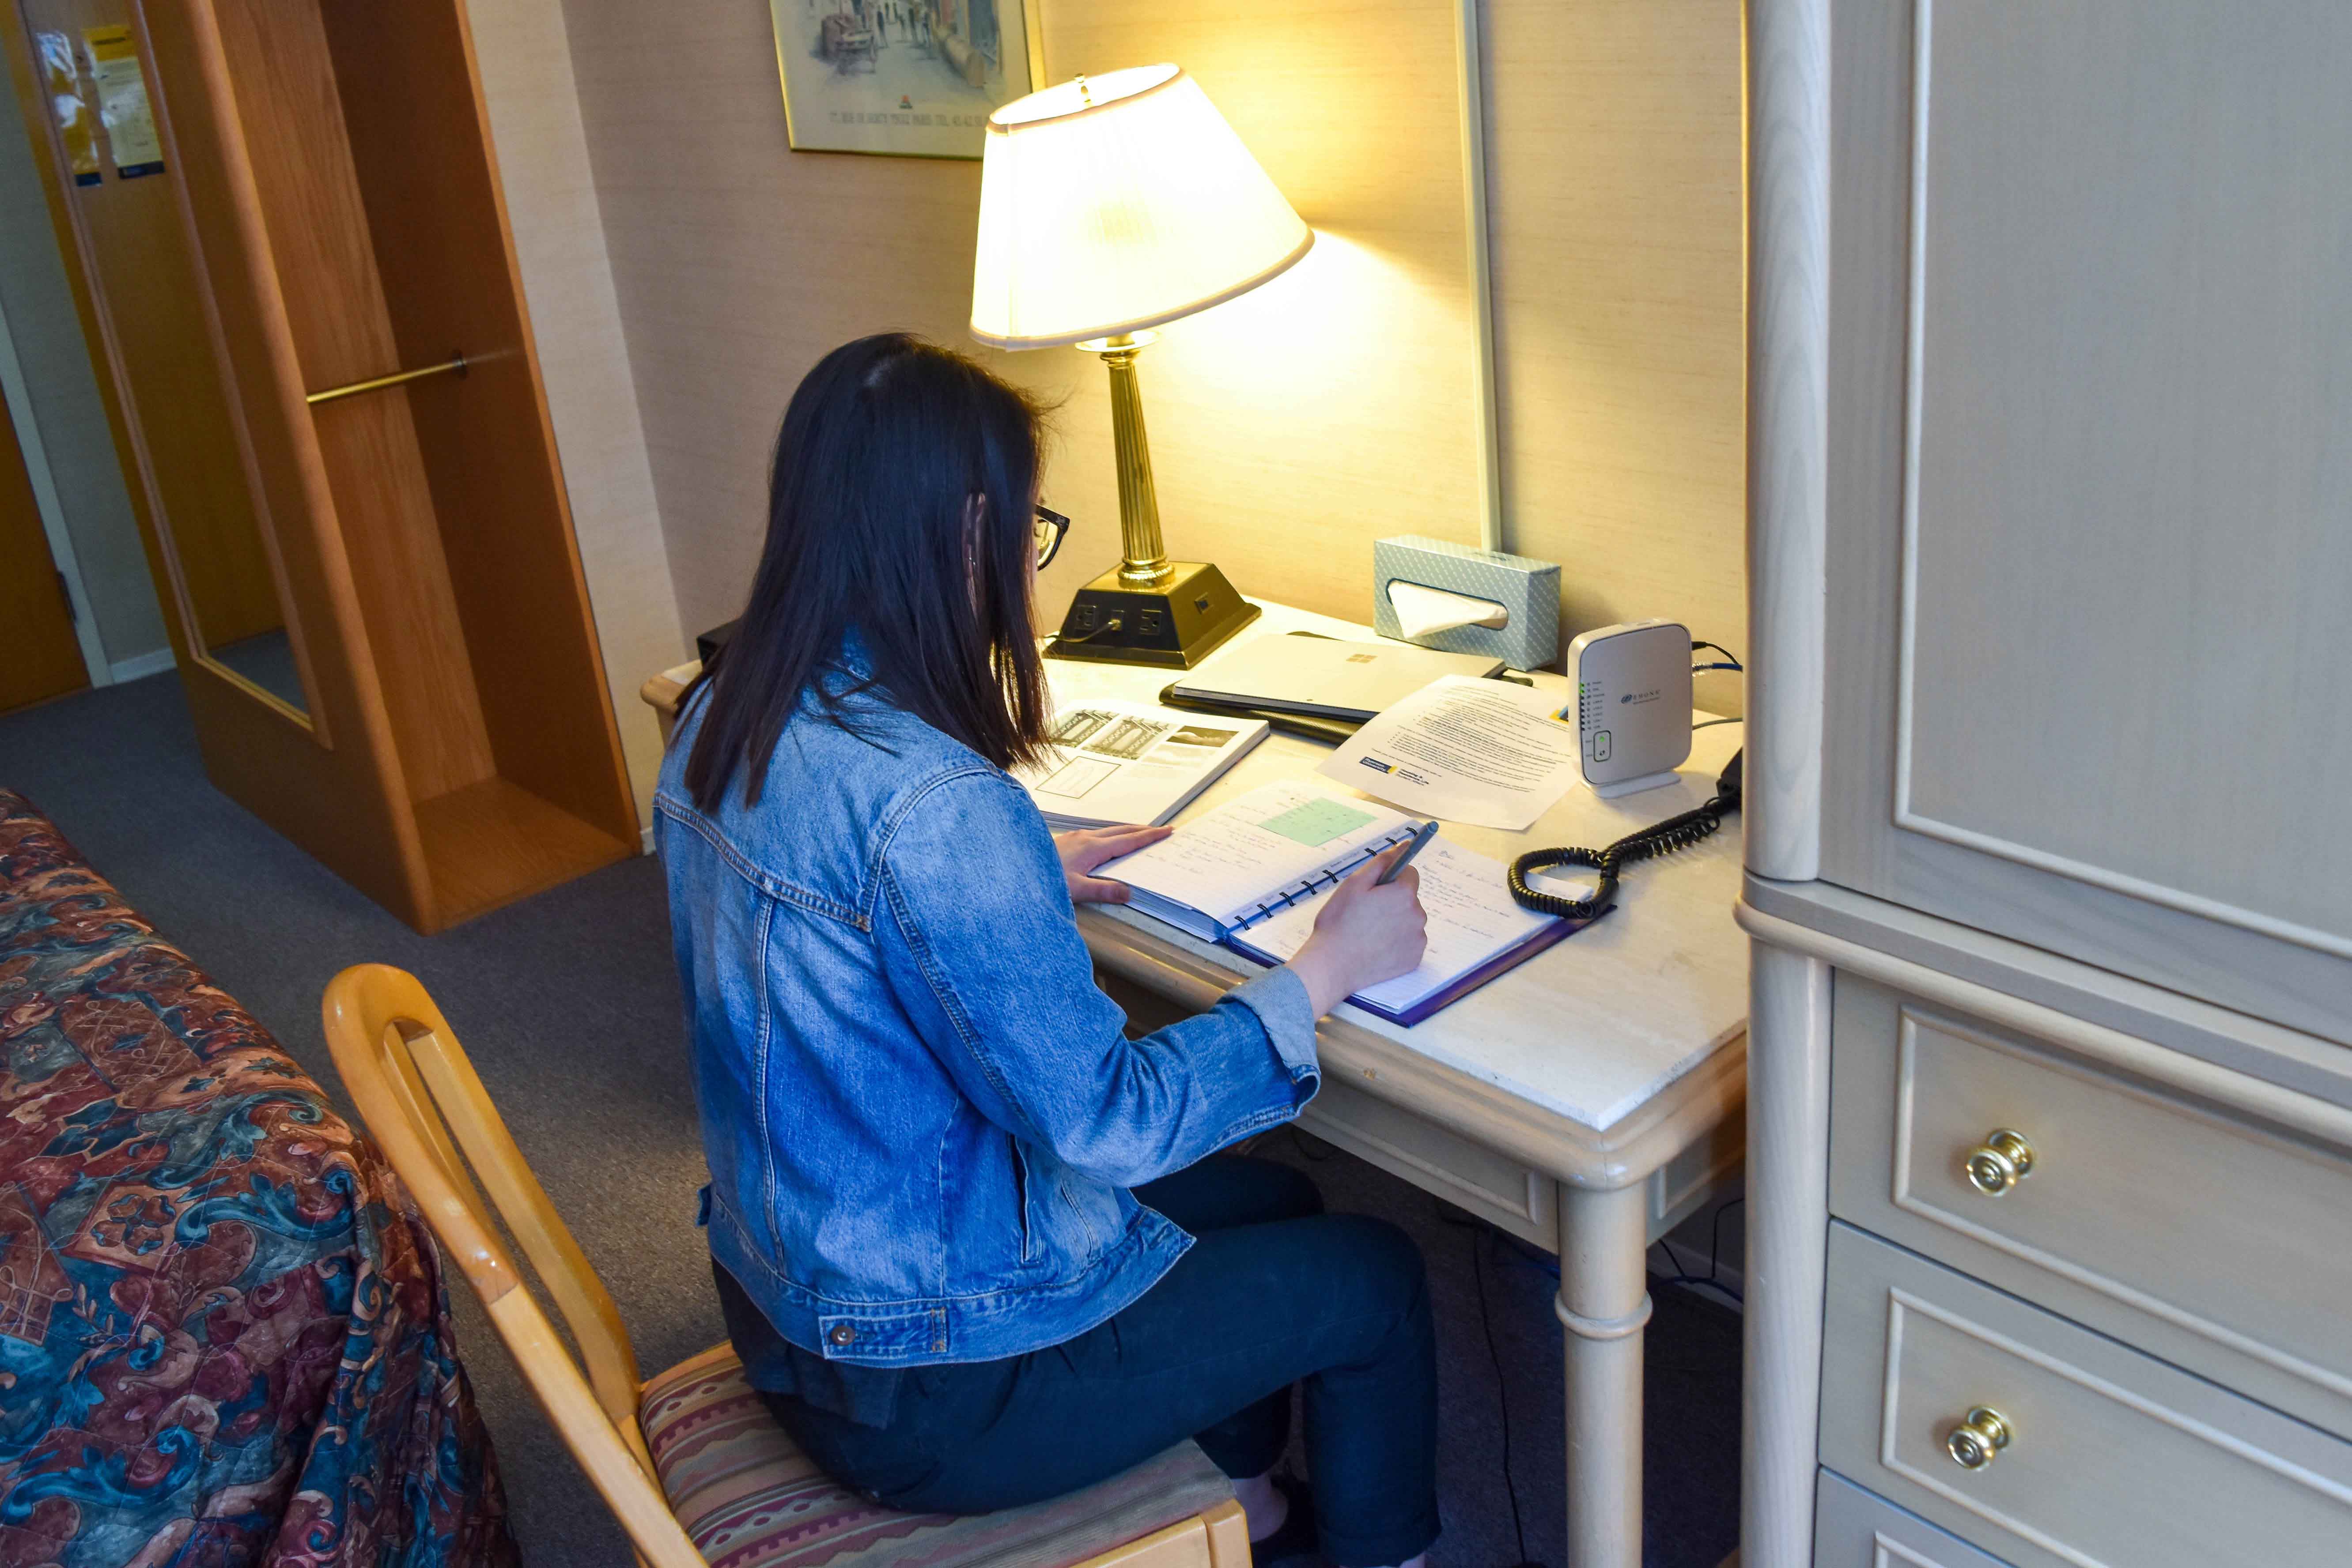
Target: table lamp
1109, 205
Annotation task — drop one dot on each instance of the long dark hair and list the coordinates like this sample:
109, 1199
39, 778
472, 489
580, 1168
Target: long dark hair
900, 504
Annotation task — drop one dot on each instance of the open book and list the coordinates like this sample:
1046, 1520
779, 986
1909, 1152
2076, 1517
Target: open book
1117, 761
1249, 874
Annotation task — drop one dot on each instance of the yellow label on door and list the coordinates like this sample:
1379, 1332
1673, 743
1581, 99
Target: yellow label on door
114, 43
122, 106
75, 126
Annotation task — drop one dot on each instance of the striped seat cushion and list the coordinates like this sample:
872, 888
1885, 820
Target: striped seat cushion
750, 1499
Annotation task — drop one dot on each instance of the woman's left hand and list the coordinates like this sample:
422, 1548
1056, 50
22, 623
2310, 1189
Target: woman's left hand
1084, 850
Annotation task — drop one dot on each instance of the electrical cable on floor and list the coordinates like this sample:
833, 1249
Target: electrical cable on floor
1502, 1394
1545, 1264
1305, 1146
1715, 1246
1448, 1214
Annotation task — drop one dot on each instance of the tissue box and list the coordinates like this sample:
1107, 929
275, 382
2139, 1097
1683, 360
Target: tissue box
1529, 589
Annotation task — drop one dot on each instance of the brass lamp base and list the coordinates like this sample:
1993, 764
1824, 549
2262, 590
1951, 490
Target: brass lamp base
1177, 624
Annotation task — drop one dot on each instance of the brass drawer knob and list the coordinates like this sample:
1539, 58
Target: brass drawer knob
1978, 1439
1999, 1162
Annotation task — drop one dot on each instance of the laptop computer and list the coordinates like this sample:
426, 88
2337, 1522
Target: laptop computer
1324, 678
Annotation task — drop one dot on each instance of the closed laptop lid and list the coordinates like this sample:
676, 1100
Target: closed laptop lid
1326, 676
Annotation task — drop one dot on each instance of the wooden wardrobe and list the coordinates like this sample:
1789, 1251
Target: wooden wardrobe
455, 748
2049, 1044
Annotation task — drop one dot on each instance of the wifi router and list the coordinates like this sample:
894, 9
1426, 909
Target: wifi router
1632, 704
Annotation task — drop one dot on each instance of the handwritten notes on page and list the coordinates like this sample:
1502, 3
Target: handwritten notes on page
1471, 921
1255, 849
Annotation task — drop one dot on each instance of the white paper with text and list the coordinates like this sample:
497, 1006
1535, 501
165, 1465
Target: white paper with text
1486, 753
1115, 762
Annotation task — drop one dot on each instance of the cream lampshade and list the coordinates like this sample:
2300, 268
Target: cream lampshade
1109, 205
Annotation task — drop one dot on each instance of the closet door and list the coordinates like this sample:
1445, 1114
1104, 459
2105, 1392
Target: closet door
2090, 484
40, 656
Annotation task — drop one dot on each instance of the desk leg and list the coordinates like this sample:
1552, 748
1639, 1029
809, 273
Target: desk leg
1603, 1303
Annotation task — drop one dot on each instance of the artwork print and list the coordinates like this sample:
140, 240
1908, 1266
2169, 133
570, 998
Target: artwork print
914, 78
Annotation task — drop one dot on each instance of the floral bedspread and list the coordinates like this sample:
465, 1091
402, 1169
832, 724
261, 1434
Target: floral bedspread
223, 1334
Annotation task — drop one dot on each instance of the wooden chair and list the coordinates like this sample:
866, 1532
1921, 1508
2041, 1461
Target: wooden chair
691, 1461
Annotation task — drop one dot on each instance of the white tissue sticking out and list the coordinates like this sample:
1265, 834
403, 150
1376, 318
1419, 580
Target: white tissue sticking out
1421, 611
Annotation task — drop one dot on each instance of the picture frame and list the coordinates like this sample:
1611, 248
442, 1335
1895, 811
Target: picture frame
908, 78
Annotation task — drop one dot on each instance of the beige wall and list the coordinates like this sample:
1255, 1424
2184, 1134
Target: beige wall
1614, 209
1293, 427
534, 108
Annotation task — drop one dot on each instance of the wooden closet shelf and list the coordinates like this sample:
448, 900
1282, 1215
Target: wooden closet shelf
489, 844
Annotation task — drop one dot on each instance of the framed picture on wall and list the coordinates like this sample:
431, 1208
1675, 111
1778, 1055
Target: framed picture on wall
916, 78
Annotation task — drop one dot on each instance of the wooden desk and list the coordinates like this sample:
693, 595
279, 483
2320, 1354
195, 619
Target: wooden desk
1586, 1102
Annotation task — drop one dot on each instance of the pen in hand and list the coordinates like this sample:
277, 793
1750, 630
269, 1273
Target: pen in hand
1422, 836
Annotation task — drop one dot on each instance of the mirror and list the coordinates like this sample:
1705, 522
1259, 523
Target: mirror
231, 589
131, 231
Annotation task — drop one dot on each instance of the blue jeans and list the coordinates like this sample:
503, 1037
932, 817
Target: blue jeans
1273, 1292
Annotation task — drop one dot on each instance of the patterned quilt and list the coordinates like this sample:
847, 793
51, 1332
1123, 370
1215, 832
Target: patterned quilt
223, 1334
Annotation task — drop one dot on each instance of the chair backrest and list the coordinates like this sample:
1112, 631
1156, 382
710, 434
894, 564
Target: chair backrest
425, 1108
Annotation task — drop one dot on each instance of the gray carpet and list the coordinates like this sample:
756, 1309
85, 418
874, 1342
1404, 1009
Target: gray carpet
569, 1007
266, 659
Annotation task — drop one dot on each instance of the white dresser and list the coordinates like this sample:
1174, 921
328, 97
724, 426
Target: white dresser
2050, 880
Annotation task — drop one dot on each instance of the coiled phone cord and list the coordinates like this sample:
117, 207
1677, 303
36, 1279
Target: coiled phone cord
1658, 838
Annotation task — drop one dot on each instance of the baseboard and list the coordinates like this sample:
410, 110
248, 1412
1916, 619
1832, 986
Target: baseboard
140, 667
645, 839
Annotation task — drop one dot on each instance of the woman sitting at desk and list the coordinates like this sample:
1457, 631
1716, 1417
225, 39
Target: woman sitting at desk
975, 1246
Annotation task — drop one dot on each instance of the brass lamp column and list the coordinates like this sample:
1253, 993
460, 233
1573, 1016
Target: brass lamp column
1145, 563
1151, 610
1109, 205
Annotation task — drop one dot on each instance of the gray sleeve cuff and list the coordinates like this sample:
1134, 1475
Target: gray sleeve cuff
1279, 999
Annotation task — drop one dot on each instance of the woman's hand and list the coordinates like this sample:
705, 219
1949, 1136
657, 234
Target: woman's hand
1363, 934
1084, 850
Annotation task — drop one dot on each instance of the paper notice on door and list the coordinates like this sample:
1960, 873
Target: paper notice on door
77, 127
1461, 748
122, 106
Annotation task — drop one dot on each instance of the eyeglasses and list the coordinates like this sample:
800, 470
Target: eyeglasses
1052, 527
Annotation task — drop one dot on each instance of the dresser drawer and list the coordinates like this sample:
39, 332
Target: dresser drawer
2204, 1239
1858, 1529
2113, 1459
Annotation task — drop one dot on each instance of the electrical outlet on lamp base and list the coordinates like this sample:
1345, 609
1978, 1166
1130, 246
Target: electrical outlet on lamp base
1176, 624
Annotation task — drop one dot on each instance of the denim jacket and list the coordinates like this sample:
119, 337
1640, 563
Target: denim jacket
921, 1115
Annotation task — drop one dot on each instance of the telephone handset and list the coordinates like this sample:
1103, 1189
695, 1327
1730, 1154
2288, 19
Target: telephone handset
1658, 838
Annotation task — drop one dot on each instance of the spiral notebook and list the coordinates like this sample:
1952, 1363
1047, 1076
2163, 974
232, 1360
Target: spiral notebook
1247, 874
